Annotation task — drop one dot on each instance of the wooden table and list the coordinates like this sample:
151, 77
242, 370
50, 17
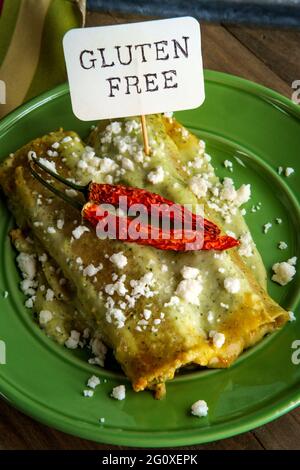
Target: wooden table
266, 56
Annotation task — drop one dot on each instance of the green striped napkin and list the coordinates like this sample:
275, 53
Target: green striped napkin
31, 54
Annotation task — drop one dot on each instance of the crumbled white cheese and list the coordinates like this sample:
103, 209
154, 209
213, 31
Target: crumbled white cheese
226, 306
55, 145
116, 315
199, 186
127, 164
119, 393
284, 272
279, 170
292, 316
88, 393
267, 227
99, 350
199, 408
278, 220
228, 164
189, 290
232, 285
289, 171
51, 230
174, 300
115, 127
218, 338
93, 381
246, 245
147, 314
73, 340
60, 223
27, 265
52, 153
45, 316
119, 259
49, 295
66, 139
107, 165
228, 192
5, 294
243, 194
79, 231
164, 268
91, 270
210, 316
282, 245
156, 176
49, 165
189, 272
28, 286
71, 192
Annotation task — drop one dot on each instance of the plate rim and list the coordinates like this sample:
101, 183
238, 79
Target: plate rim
136, 438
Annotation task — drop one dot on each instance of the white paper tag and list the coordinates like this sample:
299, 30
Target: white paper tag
134, 69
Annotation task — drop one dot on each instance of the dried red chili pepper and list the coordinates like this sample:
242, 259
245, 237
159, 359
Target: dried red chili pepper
154, 236
110, 194
191, 239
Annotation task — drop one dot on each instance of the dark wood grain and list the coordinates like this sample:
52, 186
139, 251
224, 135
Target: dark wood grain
269, 57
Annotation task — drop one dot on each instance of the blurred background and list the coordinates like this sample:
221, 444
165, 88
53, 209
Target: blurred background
284, 13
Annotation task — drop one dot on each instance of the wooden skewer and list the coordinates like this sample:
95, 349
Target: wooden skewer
145, 135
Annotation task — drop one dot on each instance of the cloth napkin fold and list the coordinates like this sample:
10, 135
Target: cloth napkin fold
31, 53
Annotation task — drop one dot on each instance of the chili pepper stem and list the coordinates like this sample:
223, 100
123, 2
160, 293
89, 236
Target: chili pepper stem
145, 135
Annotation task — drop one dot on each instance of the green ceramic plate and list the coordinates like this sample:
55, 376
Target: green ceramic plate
256, 129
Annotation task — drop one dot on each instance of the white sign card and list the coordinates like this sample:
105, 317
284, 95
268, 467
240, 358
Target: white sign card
135, 69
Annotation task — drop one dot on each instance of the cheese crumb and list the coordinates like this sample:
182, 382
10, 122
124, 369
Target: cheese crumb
93, 381
188, 272
27, 265
60, 223
45, 316
232, 285
79, 231
156, 176
199, 408
119, 393
199, 186
91, 270
119, 259
246, 245
164, 268
218, 338
289, 171
228, 164
284, 272
88, 393
292, 316
282, 245
73, 340
267, 227
49, 165
189, 290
